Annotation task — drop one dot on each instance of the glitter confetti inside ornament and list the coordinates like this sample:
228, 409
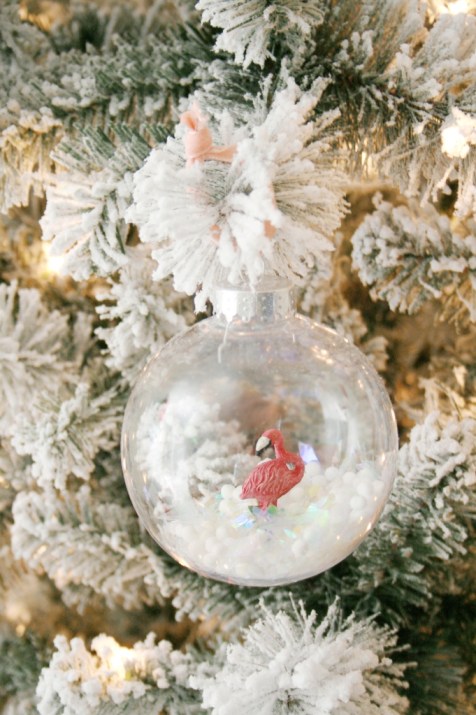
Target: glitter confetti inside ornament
257, 378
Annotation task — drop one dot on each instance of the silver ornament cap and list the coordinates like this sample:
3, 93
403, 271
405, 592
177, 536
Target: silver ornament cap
269, 300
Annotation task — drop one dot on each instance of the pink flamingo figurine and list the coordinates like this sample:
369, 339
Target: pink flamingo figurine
273, 478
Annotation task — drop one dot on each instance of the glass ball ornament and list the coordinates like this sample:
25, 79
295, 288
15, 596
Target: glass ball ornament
258, 447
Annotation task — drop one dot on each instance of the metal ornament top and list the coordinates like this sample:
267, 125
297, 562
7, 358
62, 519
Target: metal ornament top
270, 300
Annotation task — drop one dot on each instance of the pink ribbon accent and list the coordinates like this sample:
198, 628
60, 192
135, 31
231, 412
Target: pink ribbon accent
269, 229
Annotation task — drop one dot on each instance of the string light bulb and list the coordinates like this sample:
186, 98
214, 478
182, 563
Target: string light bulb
453, 7
116, 660
54, 264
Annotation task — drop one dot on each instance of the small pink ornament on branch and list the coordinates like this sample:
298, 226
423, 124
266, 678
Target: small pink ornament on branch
199, 147
198, 140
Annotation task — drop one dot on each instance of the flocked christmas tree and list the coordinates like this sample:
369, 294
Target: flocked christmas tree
340, 153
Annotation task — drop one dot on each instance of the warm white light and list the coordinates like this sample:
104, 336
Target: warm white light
369, 164
117, 659
453, 142
17, 612
43, 14
459, 6
54, 264
455, 7
458, 134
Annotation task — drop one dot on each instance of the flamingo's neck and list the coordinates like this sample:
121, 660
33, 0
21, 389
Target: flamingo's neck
282, 453
279, 447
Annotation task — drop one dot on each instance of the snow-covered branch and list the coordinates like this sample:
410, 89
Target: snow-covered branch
410, 255
32, 340
250, 28
142, 314
274, 207
79, 539
85, 207
288, 663
110, 679
427, 522
133, 68
63, 437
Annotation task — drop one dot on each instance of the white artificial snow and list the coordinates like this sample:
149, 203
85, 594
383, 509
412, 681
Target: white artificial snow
84, 220
63, 437
248, 25
458, 134
288, 664
31, 344
315, 525
144, 314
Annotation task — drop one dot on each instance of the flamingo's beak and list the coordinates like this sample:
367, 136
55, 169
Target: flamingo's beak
262, 444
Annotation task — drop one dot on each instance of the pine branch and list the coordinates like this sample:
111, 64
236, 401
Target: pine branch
81, 538
323, 300
84, 23
434, 157
31, 360
114, 680
15, 474
134, 79
399, 81
231, 89
85, 209
250, 28
288, 665
139, 314
355, 47
409, 255
200, 599
287, 182
127, 59
63, 437
436, 686
407, 559
21, 661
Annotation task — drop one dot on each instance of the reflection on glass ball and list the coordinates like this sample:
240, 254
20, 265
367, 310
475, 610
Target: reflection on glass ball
258, 447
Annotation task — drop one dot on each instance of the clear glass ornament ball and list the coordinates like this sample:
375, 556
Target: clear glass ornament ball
259, 448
